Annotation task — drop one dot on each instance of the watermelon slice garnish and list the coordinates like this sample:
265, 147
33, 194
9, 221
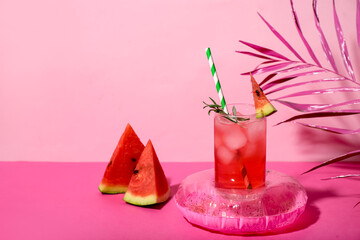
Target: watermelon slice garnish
148, 184
263, 107
122, 163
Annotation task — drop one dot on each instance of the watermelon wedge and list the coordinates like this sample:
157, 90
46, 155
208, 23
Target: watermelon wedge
263, 107
148, 184
122, 163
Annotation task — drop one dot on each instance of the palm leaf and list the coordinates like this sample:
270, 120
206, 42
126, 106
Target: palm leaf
276, 82
342, 176
254, 54
269, 68
310, 51
321, 114
270, 76
322, 91
303, 83
358, 21
303, 107
324, 43
282, 39
279, 73
295, 68
334, 160
264, 63
342, 45
265, 51
332, 129
314, 72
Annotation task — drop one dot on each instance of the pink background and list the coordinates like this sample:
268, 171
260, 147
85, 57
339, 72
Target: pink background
73, 73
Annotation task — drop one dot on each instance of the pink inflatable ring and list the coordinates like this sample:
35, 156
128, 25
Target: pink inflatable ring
240, 211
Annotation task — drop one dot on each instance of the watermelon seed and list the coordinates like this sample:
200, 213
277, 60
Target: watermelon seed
257, 93
136, 171
133, 159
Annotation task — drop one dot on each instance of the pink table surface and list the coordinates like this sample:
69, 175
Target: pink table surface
61, 201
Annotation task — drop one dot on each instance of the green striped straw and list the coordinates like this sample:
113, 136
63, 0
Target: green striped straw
223, 104
216, 80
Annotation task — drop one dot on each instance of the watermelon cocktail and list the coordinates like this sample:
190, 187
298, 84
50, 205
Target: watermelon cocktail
240, 148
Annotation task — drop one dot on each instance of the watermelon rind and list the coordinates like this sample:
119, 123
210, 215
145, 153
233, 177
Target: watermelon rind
112, 189
266, 110
145, 200
263, 107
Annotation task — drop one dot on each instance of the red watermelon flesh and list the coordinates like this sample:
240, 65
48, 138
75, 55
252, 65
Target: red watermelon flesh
263, 107
148, 185
122, 163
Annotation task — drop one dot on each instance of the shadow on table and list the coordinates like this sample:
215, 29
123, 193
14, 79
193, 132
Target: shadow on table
353, 165
311, 214
309, 217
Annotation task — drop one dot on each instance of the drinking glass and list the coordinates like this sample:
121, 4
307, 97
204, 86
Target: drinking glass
239, 148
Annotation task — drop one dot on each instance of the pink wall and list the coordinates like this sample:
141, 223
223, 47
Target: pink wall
74, 72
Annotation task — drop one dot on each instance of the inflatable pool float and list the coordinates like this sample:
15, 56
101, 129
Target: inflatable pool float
241, 211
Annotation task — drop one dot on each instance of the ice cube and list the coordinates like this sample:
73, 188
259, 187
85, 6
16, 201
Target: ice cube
257, 130
235, 138
255, 149
256, 136
224, 155
218, 137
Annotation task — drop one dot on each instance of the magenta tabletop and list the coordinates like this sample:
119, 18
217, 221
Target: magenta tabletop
61, 201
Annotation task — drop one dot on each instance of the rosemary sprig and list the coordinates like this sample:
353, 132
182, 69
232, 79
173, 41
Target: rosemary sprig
214, 107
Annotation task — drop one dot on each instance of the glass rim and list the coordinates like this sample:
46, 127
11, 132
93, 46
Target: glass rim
247, 108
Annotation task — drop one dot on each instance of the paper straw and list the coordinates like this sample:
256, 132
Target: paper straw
216, 80
246, 177
223, 104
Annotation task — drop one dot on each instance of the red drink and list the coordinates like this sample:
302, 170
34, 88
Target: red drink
240, 149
